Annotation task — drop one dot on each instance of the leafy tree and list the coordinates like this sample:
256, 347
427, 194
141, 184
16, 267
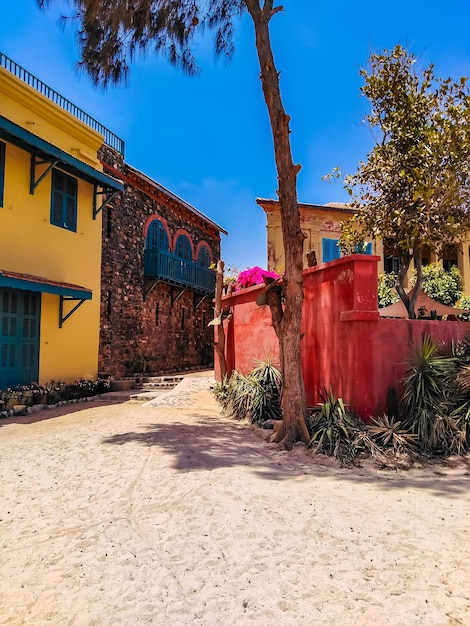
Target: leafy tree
110, 34
441, 285
414, 188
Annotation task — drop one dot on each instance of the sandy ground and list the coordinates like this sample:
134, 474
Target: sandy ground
170, 514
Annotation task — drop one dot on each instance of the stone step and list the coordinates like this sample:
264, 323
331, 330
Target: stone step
145, 396
158, 385
161, 380
145, 383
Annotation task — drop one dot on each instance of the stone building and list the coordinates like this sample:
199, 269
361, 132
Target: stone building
156, 284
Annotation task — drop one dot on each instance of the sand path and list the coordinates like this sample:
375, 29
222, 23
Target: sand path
170, 514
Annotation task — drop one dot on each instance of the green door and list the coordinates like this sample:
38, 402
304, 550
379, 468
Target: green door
19, 337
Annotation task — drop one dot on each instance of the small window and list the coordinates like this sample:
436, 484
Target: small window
2, 171
330, 250
448, 264
64, 201
363, 248
391, 264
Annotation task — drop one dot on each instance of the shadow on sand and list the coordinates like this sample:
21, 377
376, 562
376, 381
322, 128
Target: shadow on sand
210, 444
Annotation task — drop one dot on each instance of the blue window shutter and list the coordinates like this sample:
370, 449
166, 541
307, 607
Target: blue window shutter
183, 248
64, 201
157, 238
369, 248
330, 250
2, 171
204, 257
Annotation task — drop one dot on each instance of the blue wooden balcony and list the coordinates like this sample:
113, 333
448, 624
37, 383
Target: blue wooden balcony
173, 270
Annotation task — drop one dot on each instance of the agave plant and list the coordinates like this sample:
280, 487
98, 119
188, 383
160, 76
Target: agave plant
388, 432
334, 429
256, 396
266, 390
459, 403
425, 387
448, 438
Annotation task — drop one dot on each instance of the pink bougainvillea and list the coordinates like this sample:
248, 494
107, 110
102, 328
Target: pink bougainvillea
253, 276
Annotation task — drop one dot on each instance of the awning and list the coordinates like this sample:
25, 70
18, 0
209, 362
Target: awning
39, 147
28, 282
67, 292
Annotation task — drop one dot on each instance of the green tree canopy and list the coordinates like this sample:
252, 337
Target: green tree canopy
414, 187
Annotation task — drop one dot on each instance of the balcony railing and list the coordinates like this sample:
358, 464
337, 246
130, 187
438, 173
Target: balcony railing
110, 139
170, 268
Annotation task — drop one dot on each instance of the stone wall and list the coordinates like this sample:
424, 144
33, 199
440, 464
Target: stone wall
166, 331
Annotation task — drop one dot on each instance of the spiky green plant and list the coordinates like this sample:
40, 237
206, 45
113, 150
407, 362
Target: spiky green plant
436, 401
266, 389
256, 396
334, 429
425, 391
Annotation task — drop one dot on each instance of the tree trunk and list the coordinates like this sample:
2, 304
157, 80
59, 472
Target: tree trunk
418, 261
219, 344
287, 319
405, 260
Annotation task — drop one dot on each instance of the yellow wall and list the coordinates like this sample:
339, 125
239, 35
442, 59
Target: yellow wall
39, 115
31, 245
319, 222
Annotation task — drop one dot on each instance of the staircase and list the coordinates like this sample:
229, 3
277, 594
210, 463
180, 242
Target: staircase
141, 388
149, 387
158, 383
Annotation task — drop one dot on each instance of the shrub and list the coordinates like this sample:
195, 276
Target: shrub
335, 430
256, 396
386, 289
464, 303
53, 392
436, 400
441, 285
389, 434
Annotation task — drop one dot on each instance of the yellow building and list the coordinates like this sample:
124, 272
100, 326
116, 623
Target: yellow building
321, 225
51, 191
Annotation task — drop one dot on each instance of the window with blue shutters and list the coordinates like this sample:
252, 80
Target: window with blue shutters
204, 256
2, 171
183, 248
64, 201
330, 250
157, 250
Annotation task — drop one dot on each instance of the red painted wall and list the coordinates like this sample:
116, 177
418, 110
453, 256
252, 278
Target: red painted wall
345, 345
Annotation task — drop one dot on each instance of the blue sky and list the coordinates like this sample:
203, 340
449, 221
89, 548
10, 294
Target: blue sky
208, 138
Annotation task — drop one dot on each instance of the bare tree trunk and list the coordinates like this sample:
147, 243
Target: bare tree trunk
418, 261
219, 344
405, 261
287, 319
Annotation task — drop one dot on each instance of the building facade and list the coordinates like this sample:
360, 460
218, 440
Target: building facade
321, 225
157, 284
51, 183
